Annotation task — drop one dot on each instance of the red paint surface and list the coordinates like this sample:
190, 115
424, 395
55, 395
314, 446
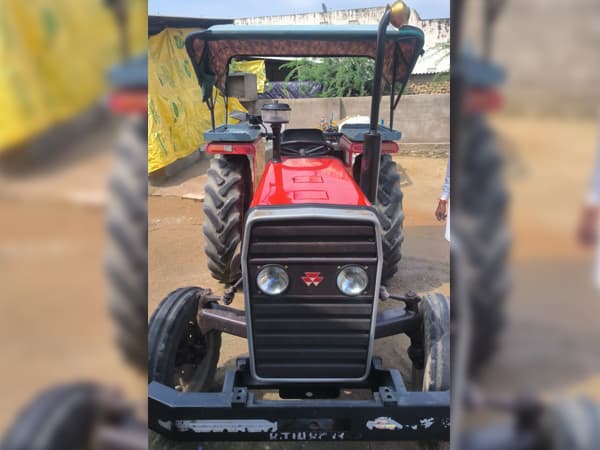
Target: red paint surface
312, 278
357, 147
351, 149
129, 101
308, 180
482, 100
231, 148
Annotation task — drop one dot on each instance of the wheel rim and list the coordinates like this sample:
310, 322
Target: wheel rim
191, 352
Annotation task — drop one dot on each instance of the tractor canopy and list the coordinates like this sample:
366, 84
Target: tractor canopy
211, 50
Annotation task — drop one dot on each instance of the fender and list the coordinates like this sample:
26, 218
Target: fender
232, 148
353, 148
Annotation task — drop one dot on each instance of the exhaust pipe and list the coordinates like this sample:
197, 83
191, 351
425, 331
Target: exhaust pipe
371, 155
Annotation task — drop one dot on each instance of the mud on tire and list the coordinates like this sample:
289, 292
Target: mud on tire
126, 260
227, 196
436, 333
179, 354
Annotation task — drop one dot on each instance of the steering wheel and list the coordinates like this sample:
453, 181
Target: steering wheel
305, 148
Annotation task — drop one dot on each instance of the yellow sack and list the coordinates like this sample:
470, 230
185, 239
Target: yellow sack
256, 67
177, 117
55, 57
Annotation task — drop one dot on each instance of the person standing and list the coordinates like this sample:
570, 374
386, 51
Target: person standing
589, 224
442, 211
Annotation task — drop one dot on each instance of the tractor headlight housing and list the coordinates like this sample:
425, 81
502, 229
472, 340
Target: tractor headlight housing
272, 279
352, 280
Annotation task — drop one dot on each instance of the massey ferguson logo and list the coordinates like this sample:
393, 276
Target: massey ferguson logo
312, 278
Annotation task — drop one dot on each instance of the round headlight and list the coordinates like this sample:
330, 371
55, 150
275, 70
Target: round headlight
272, 280
352, 280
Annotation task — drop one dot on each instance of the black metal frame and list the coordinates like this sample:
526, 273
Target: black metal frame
319, 416
414, 415
390, 322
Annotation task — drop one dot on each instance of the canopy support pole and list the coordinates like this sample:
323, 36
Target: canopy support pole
369, 168
226, 103
393, 87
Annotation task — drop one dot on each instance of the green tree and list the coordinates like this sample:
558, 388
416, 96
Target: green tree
340, 77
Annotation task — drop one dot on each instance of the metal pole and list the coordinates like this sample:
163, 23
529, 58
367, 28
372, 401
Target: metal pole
276, 127
460, 314
371, 155
394, 65
379, 55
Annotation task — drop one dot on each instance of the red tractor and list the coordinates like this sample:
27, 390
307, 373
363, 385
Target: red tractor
309, 245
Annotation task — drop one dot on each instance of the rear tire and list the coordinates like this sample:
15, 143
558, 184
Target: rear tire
126, 259
482, 229
390, 212
179, 354
228, 193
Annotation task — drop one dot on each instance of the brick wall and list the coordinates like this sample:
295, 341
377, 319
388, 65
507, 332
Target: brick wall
428, 84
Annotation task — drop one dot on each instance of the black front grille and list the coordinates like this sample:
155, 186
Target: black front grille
311, 331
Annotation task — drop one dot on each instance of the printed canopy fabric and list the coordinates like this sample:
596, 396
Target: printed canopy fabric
211, 52
177, 117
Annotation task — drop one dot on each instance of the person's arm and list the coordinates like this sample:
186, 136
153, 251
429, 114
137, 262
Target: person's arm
588, 226
441, 210
594, 195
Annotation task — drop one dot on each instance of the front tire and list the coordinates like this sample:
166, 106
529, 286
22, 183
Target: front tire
61, 418
179, 354
573, 424
227, 197
436, 339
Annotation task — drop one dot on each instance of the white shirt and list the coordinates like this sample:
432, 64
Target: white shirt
446, 196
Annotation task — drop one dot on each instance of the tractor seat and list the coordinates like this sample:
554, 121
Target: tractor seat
302, 134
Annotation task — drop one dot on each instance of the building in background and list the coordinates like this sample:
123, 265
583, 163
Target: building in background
431, 73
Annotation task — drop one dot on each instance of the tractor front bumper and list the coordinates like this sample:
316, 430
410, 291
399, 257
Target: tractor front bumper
391, 413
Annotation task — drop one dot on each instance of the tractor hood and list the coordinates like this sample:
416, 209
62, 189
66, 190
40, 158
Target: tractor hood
211, 50
297, 181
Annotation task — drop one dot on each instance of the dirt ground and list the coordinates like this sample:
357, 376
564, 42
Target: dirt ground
549, 345
53, 321
54, 325
176, 256
550, 342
